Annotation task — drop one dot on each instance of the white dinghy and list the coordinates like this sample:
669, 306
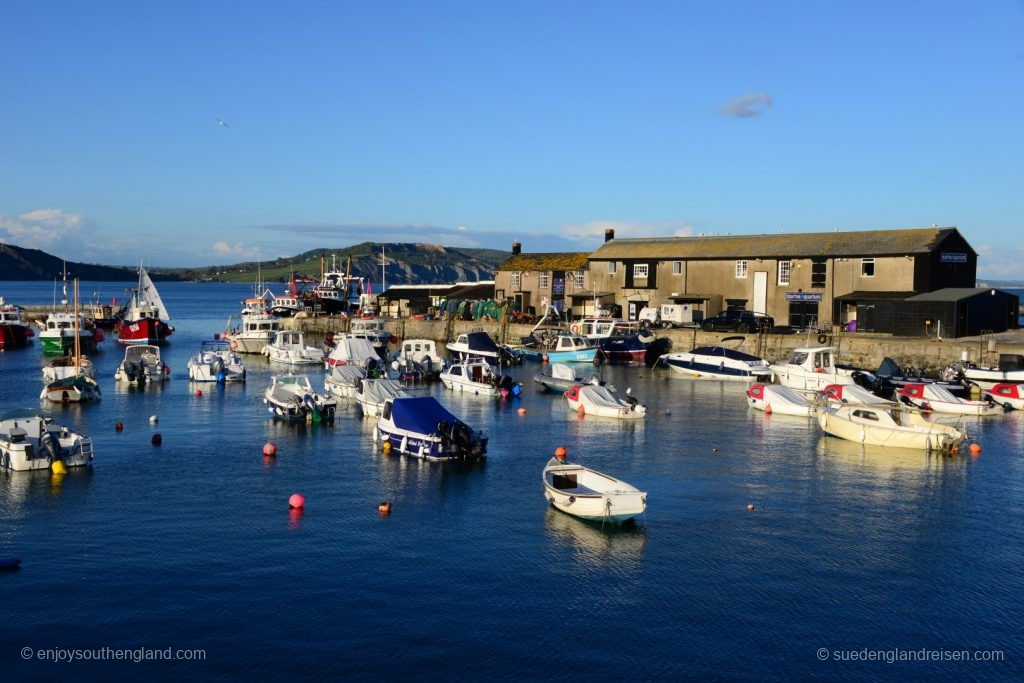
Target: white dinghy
589, 494
939, 399
587, 399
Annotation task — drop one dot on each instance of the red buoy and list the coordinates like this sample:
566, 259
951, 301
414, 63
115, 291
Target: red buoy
199, 392
157, 440
297, 500
118, 426
270, 448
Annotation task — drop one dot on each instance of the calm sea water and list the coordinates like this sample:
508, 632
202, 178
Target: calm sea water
191, 545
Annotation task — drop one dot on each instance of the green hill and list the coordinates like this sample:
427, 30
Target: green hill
18, 263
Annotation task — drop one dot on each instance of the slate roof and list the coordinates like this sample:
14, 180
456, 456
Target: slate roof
546, 261
780, 245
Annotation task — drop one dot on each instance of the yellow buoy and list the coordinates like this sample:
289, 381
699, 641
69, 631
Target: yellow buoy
386, 447
58, 467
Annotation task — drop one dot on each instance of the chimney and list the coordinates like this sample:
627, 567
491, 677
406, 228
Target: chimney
516, 248
609, 234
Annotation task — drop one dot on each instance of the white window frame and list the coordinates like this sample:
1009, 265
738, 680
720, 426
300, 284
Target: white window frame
613, 267
577, 278
865, 262
545, 280
517, 281
741, 269
677, 267
640, 270
785, 272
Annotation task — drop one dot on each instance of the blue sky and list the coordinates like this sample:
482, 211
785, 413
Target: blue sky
481, 123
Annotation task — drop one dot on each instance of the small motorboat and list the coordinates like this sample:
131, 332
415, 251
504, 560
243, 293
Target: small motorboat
343, 381
888, 426
142, 364
560, 377
1009, 396
216, 362
938, 399
812, 369
29, 440
80, 389
718, 362
474, 345
589, 494
257, 328
14, 333
563, 348
852, 393
779, 399
1009, 371
478, 377
587, 399
372, 393
288, 347
420, 426
373, 330
291, 397
349, 350
421, 354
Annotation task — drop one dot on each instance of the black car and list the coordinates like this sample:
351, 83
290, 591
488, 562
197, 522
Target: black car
736, 320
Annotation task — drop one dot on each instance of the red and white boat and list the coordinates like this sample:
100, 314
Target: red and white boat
1009, 396
940, 400
14, 334
147, 320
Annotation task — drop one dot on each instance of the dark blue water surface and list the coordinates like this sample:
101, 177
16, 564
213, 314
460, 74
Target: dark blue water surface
191, 545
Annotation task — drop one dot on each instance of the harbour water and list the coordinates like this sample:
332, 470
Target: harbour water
849, 554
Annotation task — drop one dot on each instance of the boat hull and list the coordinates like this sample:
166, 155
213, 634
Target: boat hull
145, 331
14, 337
889, 438
60, 346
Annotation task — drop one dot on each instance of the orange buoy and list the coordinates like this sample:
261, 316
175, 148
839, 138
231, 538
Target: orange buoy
156, 440
384, 508
521, 411
270, 449
975, 448
297, 500
581, 410
118, 426
561, 453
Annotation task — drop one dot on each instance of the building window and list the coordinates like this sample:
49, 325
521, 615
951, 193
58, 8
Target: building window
639, 270
517, 280
545, 279
498, 295
819, 269
677, 267
867, 267
578, 278
741, 269
612, 267
784, 270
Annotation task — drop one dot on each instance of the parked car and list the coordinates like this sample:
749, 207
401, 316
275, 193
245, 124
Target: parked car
735, 320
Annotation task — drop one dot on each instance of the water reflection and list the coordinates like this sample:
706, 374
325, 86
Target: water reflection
880, 458
594, 545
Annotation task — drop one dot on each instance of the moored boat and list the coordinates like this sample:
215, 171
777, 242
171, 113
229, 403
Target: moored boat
14, 333
342, 381
938, 399
474, 345
420, 426
776, 398
1009, 396
372, 393
476, 376
589, 494
257, 327
348, 350
142, 364
29, 440
587, 399
563, 348
811, 369
888, 426
216, 362
718, 362
75, 389
291, 397
288, 347
560, 377
373, 330
420, 355
146, 320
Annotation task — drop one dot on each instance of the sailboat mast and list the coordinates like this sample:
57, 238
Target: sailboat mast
383, 263
78, 341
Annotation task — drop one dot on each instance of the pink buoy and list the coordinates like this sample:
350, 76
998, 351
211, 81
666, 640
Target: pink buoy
270, 448
199, 392
297, 500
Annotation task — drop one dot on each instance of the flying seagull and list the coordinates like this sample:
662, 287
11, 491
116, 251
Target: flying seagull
221, 123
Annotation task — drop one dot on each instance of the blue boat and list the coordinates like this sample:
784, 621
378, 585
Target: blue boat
718, 362
564, 348
420, 426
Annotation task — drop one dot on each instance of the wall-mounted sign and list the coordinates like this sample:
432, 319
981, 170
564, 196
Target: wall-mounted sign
803, 296
952, 257
558, 286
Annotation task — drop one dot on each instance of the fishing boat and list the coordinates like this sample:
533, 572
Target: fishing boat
146, 320
718, 362
589, 494
257, 327
420, 426
563, 348
372, 393
72, 380
289, 304
142, 364
936, 398
587, 399
342, 381
14, 333
292, 398
216, 362
474, 345
60, 330
1009, 396
338, 291
29, 440
476, 376
560, 377
811, 369
288, 347
779, 399
888, 426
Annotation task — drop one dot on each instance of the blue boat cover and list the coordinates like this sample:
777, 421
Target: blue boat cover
420, 414
481, 342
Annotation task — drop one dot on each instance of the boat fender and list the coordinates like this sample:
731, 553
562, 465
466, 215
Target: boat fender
572, 499
822, 338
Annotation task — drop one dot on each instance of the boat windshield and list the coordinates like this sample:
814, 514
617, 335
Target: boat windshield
798, 358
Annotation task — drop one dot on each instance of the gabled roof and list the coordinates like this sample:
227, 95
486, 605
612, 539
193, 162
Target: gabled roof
781, 245
550, 261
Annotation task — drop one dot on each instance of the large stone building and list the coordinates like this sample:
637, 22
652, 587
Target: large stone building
537, 281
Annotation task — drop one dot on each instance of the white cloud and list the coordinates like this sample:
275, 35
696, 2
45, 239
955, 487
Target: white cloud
1000, 262
45, 229
746, 106
238, 249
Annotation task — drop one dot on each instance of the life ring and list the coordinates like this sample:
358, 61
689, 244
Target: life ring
234, 345
574, 328
822, 338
